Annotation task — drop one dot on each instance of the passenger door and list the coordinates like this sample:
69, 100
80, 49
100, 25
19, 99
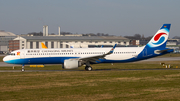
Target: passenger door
22, 54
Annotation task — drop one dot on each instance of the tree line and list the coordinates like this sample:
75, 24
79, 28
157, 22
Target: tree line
138, 37
69, 33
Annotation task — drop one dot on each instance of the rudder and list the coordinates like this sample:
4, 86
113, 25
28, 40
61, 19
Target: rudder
160, 38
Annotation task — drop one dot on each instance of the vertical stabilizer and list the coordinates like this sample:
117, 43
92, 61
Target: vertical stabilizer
43, 45
160, 38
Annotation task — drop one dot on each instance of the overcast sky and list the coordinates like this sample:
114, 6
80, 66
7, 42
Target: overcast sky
115, 17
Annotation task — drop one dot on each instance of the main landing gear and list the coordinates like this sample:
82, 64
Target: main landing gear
23, 68
88, 68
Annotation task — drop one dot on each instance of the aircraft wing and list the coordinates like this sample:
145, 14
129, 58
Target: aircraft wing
93, 59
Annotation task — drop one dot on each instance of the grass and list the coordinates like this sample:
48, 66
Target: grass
1, 58
88, 86
112, 85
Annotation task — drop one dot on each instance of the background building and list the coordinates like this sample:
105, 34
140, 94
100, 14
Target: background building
172, 42
34, 42
4, 40
11, 42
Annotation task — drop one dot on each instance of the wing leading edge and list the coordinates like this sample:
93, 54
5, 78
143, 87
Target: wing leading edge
93, 59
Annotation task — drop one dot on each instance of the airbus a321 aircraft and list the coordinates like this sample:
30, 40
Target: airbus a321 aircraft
71, 58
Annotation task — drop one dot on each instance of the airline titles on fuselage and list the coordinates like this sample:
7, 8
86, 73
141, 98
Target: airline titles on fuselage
71, 52
50, 52
43, 51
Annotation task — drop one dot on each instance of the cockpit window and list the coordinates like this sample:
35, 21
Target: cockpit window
12, 54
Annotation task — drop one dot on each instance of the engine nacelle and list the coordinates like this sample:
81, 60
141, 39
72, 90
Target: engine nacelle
71, 64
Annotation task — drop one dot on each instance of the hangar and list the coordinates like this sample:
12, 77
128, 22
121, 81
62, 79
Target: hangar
34, 42
4, 40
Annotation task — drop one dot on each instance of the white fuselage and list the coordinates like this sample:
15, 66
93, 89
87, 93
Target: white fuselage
57, 56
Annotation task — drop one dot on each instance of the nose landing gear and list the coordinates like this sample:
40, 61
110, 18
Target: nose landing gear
23, 68
88, 68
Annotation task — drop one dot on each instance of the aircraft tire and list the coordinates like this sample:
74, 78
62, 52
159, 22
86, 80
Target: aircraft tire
22, 69
89, 68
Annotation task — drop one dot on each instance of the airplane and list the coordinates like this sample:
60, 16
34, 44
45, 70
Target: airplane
71, 46
43, 45
72, 58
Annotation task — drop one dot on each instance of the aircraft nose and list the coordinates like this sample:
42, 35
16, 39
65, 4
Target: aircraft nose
5, 58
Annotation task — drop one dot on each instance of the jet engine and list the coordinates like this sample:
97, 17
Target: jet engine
71, 64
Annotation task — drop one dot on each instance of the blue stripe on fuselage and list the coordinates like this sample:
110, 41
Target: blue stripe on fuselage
40, 60
60, 60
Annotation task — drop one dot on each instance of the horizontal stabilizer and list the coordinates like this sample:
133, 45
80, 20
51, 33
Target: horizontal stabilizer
161, 51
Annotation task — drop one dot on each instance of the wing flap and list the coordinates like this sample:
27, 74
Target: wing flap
97, 57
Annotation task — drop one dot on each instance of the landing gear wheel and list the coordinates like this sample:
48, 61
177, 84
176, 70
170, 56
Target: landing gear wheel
22, 69
88, 68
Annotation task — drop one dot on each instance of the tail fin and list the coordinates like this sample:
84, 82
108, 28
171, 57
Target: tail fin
71, 46
43, 45
160, 38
